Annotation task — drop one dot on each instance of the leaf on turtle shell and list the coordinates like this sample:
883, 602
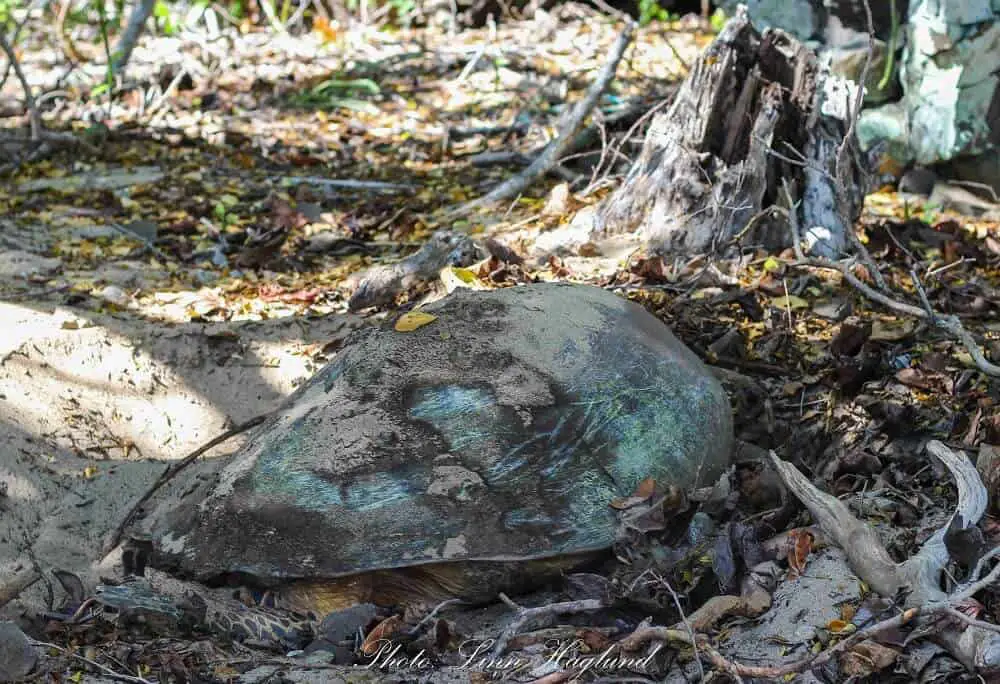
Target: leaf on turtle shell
643, 491
380, 632
412, 320
646, 488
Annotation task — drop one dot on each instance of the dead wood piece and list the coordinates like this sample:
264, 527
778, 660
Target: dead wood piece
34, 116
527, 615
106, 671
130, 36
564, 138
12, 588
917, 578
37, 131
754, 111
379, 285
949, 323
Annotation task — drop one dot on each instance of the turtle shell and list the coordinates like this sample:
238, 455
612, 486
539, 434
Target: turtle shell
501, 430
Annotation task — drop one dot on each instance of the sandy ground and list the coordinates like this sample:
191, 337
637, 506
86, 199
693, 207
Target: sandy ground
91, 407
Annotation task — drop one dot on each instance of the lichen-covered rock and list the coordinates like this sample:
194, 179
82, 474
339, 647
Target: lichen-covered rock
501, 430
951, 87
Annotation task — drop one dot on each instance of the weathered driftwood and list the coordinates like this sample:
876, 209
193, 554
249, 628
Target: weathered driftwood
755, 111
918, 578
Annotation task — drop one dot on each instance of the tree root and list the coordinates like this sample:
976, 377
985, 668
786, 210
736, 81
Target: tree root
917, 579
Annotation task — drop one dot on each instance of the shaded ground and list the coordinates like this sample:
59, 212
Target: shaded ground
137, 325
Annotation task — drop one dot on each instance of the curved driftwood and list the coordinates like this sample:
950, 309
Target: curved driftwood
918, 577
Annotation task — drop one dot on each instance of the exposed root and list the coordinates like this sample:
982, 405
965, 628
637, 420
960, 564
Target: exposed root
526, 615
917, 579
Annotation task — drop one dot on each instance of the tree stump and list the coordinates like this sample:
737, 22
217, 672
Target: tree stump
757, 113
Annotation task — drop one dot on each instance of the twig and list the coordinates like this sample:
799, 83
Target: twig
431, 615
112, 541
922, 293
684, 621
972, 622
564, 137
13, 41
34, 116
525, 615
38, 134
108, 672
132, 235
595, 181
793, 220
845, 150
950, 323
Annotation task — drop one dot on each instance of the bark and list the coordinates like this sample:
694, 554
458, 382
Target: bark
756, 111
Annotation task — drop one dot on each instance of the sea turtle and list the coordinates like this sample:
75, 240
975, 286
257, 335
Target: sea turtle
471, 451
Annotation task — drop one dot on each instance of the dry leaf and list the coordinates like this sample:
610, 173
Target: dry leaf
867, 658
789, 302
380, 633
455, 277
800, 545
646, 488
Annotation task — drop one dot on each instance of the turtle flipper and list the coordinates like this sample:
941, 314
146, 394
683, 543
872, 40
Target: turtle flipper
136, 603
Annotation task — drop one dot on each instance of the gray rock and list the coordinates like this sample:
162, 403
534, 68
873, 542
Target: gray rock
17, 655
801, 18
950, 87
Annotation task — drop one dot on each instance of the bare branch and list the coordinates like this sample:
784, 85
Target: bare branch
34, 116
949, 323
564, 138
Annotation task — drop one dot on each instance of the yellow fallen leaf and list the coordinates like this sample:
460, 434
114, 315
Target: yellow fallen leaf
412, 320
771, 264
454, 277
790, 302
